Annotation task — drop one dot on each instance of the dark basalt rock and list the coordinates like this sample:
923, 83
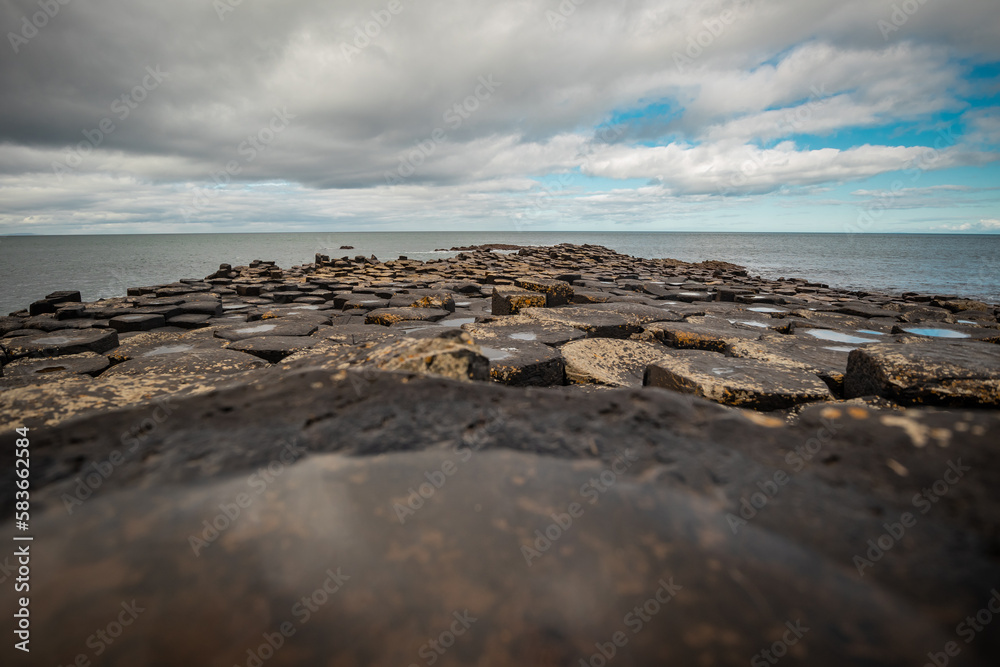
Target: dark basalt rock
273, 349
682, 465
85, 363
594, 323
136, 322
61, 343
557, 292
200, 361
954, 374
731, 381
269, 327
389, 316
509, 330
525, 363
509, 300
715, 337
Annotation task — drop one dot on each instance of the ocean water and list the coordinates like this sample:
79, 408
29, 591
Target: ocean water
105, 265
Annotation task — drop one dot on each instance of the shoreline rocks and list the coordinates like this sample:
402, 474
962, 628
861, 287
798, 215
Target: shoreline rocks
544, 438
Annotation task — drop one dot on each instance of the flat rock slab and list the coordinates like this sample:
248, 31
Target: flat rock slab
502, 331
270, 327
424, 299
636, 313
451, 354
709, 337
953, 374
136, 322
829, 362
746, 383
525, 363
273, 349
611, 362
389, 316
191, 320
594, 323
199, 362
61, 343
356, 334
154, 343
84, 363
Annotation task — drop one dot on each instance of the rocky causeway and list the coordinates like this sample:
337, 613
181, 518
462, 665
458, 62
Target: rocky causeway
538, 455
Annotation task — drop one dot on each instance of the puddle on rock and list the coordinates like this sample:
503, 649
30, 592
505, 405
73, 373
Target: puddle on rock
523, 336
936, 333
495, 354
766, 309
457, 322
260, 328
837, 336
167, 349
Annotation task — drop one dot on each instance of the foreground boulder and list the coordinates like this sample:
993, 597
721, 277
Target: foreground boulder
953, 374
245, 494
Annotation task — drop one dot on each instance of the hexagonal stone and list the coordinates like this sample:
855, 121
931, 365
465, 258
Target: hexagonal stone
72, 341
615, 363
525, 364
85, 363
637, 313
557, 292
510, 330
938, 372
389, 316
424, 299
273, 349
508, 300
204, 362
594, 323
745, 383
190, 320
714, 337
269, 327
136, 322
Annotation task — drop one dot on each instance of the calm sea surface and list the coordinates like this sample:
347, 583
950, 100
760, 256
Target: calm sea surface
102, 266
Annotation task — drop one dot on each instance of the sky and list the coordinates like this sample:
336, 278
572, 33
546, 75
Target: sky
144, 116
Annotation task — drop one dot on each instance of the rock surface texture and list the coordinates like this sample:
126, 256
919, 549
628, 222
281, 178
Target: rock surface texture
554, 456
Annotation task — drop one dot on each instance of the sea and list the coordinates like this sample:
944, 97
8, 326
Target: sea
101, 266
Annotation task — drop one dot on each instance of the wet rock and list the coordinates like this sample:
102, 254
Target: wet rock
509, 330
356, 334
200, 361
594, 323
731, 381
84, 363
615, 363
61, 343
389, 316
952, 374
525, 363
136, 322
270, 327
509, 300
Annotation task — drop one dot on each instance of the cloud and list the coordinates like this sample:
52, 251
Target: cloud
982, 227
370, 92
